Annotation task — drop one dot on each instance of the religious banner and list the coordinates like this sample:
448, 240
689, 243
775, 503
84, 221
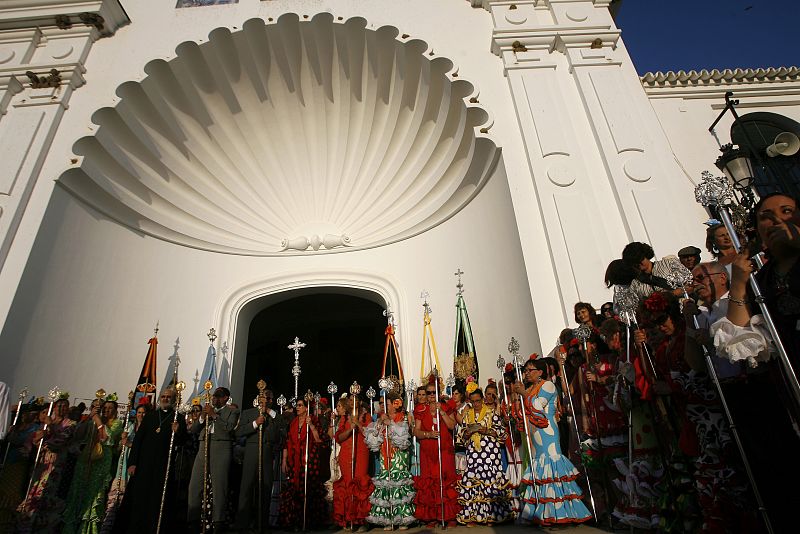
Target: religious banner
146, 385
465, 361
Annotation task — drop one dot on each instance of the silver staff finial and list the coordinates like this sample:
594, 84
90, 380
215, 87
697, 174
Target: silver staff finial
713, 190
513, 347
460, 284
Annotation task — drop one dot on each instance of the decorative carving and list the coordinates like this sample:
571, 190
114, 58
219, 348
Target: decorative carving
637, 168
561, 175
516, 46
63, 22
40, 82
330, 241
93, 19
285, 201
597, 43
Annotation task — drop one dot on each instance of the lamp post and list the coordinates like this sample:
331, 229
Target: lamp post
737, 166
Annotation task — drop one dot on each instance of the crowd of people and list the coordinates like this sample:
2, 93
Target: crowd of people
670, 416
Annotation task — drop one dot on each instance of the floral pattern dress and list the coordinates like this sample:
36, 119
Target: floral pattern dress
393, 498
549, 493
484, 492
41, 511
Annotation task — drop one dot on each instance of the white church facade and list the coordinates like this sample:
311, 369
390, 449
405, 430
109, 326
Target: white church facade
194, 166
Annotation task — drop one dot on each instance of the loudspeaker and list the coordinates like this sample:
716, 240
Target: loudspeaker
786, 144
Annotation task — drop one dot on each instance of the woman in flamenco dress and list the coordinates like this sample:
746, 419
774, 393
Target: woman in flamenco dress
298, 498
429, 486
393, 497
352, 491
548, 490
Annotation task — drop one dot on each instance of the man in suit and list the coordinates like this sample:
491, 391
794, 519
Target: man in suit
219, 420
262, 416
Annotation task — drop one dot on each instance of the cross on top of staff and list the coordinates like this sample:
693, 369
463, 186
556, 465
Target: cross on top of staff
296, 346
460, 284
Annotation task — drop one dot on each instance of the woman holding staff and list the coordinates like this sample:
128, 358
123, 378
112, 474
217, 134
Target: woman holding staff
393, 498
484, 492
41, 510
351, 492
549, 492
430, 487
301, 461
86, 501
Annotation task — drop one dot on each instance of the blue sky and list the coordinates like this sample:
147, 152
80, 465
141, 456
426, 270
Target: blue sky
705, 34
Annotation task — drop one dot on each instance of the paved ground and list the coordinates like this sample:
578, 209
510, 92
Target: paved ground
504, 529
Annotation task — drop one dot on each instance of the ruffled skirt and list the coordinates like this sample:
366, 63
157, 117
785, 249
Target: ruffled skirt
550, 495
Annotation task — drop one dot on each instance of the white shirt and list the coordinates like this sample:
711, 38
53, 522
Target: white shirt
270, 413
719, 310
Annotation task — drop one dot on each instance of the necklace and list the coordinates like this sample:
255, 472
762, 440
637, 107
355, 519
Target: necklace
160, 421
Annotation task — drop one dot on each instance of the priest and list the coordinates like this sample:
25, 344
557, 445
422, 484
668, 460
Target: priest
147, 469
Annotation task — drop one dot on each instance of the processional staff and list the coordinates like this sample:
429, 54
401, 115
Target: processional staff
582, 334
257, 403
411, 389
207, 496
179, 387
435, 373
296, 346
332, 389
371, 395
281, 402
513, 348
53, 395
121, 461
308, 398
386, 384
22, 395
501, 365
355, 389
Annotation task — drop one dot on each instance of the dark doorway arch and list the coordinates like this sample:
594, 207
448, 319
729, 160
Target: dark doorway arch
344, 337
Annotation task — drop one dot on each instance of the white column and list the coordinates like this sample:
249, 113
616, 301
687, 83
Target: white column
601, 167
43, 47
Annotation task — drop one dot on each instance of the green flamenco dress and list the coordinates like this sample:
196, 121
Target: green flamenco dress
86, 501
393, 497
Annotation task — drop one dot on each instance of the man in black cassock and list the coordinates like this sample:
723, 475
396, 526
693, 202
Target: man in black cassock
147, 465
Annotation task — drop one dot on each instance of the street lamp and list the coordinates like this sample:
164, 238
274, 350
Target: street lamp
737, 166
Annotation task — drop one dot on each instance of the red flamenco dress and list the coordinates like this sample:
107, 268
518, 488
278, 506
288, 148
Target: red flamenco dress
352, 491
428, 501
291, 508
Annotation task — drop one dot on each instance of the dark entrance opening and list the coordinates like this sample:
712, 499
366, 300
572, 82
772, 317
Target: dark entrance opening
344, 337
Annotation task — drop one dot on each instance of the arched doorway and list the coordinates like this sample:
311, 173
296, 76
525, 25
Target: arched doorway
344, 336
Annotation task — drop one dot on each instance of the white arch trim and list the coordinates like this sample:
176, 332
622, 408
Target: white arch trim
228, 315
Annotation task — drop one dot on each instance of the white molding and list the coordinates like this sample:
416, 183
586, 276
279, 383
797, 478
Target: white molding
229, 310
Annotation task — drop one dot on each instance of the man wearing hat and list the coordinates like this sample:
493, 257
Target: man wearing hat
689, 256
218, 423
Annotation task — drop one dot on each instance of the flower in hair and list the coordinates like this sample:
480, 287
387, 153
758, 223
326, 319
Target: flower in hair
471, 385
656, 303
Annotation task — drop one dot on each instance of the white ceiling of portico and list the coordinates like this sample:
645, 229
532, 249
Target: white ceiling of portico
288, 135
